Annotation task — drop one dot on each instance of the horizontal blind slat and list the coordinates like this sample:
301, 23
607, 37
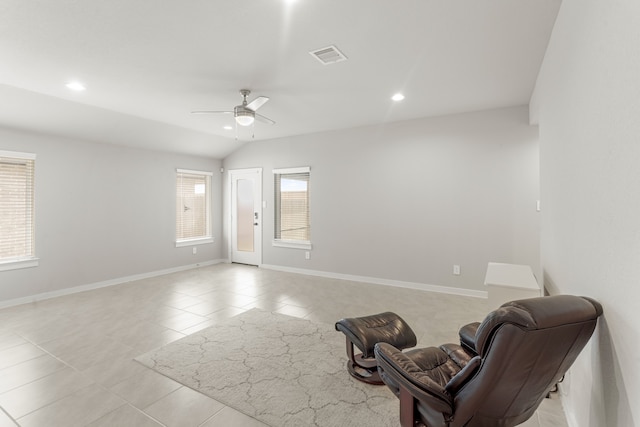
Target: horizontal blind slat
16, 207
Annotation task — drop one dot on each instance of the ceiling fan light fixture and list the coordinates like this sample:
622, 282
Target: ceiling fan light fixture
244, 118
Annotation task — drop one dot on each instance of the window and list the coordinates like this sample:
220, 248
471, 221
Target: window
292, 225
17, 242
193, 207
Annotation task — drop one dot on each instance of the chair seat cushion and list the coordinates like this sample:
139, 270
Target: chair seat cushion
407, 370
365, 332
440, 364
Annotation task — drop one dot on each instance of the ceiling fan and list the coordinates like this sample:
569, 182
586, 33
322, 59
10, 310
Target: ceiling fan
245, 114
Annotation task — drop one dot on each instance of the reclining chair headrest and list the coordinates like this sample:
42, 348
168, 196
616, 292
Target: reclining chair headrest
538, 313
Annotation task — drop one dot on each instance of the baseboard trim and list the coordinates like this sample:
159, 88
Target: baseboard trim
103, 284
378, 281
318, 273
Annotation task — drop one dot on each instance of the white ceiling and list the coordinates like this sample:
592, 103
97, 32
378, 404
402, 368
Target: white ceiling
148, 63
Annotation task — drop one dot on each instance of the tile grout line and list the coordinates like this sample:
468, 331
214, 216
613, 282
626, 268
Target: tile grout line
92, 382
9, 416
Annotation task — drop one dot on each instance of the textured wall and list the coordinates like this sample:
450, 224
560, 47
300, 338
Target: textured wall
407, 201
103, 212
588, 95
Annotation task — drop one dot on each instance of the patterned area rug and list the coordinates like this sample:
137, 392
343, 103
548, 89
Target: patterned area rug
281, 370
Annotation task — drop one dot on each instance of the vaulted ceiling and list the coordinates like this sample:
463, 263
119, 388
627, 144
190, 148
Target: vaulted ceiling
147, 64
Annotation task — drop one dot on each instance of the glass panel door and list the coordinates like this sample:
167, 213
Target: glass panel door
245, 245
245, 215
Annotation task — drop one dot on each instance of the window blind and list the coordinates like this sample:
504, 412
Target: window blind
16, 206
192, 205
292, 220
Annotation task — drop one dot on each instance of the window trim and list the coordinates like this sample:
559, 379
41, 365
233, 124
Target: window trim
283, 171
17, 263
288, 243
17, 155
293, 244
193, 242
202, 240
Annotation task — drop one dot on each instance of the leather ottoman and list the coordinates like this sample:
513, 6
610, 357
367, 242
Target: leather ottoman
364, 333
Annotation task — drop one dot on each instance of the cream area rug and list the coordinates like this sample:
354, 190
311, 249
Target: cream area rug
281, 370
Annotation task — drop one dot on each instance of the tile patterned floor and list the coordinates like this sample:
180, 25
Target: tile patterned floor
68, 362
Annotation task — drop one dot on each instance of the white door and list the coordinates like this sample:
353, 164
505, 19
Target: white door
246, 216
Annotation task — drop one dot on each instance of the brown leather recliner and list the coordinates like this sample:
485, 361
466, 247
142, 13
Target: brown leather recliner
500, 374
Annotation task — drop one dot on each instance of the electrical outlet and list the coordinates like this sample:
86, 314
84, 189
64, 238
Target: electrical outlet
456, 270
307, 255
195, 250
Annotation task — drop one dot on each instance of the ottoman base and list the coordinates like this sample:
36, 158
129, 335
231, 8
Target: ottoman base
361, 368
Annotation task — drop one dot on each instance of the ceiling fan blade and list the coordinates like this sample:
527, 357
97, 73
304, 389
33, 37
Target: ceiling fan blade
264, 119
257, 103
212, 112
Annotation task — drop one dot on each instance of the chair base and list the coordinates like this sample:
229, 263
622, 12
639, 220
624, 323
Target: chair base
367, 375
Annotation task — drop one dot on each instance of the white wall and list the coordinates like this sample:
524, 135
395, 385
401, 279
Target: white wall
406, 201
588, 93
103, 212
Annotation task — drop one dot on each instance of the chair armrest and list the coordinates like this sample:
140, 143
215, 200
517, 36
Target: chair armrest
398, 369
468, 336
460, 379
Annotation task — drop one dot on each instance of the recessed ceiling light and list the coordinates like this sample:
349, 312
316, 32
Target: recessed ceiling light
398, 97
227, 128
77, 86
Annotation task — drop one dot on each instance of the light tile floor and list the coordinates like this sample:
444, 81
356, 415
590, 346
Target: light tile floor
68, 362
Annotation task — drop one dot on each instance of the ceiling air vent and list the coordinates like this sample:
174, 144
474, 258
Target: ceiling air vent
328, 55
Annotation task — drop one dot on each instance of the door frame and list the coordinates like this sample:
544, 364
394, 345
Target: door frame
258, 208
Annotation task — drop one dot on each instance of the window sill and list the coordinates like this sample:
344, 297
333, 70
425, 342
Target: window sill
293, 244
18, 264
194, 242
